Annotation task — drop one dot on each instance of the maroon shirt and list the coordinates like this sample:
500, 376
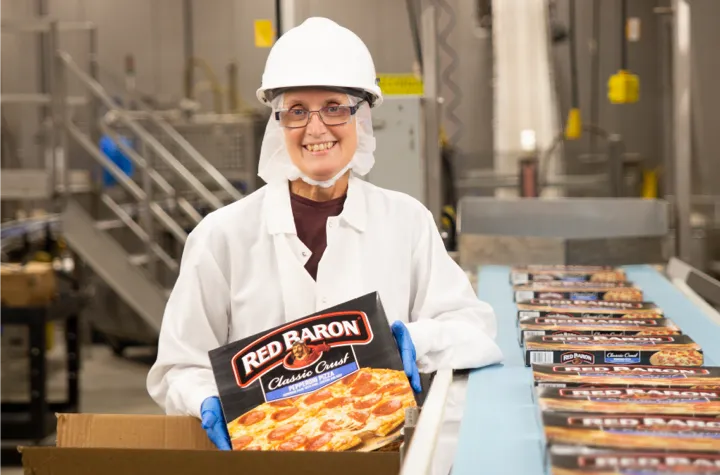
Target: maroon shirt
310, 220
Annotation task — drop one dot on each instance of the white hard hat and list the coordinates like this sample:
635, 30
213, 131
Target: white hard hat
319, 52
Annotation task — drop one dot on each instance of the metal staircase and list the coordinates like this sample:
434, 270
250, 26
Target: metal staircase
131, 235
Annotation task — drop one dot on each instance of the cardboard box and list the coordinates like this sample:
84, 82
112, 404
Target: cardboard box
620, 462
33, 284
598, 308
586, 312
573, 376
631, 400
524, 276
540, 326
633, 431
91, 444
578, 291
654, 350
330, 381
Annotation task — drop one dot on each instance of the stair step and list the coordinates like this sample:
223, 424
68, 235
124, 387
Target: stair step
138, 259
108, 224
111, 263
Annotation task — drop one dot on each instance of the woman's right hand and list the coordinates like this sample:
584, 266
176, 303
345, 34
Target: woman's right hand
213, 422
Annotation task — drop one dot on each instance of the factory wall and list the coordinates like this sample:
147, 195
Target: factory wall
639, 124
152, 31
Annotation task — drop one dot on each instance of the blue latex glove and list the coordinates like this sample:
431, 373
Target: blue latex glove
407, 353
213, 422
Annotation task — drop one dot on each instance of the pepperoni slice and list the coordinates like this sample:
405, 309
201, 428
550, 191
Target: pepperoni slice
318, 441
390, 387
369, 401
254, 447
241, 442
362, 379
337, 402
281, 432
348, 380
283, 403
294, 443
402, 390
388, 407
364, 389
359, 416
252, 417
318, 396
330, 426
283, 414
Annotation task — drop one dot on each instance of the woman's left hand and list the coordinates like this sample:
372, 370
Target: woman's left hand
407, 353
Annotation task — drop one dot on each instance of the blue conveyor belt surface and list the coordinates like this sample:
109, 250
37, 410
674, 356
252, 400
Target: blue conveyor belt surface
501, 432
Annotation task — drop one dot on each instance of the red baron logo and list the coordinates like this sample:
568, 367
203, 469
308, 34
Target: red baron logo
675, 462
588, 303
325, 331
627, 339
619, 370
550, 295
606, 421
679, 422
630, 393
577, 357
585, 321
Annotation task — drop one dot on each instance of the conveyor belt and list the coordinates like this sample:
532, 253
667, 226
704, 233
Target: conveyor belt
500, 432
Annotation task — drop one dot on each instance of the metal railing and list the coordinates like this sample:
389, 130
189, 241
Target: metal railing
150, 180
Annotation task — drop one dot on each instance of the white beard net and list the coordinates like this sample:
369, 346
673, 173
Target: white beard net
275, 162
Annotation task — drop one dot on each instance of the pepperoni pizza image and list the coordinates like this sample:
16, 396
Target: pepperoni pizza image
330, 381
679, 357
350, 414
624, 295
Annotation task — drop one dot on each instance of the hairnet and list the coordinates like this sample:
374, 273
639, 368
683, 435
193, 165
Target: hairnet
275, 162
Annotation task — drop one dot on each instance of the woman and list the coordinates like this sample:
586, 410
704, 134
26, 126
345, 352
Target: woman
317, 235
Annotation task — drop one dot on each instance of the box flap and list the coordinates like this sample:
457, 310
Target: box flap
131, 431
91, 461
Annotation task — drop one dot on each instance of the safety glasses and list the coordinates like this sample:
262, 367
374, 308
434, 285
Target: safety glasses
298, 117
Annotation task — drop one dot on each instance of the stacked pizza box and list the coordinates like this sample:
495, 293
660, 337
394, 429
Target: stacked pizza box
620, 388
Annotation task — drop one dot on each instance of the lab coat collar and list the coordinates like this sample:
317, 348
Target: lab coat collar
278, 212
355, 209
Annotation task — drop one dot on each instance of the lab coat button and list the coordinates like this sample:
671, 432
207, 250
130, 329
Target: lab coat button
304, 253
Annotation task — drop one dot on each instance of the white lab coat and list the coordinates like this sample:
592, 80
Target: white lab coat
242, 272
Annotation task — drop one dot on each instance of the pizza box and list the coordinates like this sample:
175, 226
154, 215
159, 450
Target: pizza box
587, 461
524, 276
561, 268
88, 444
330, 381
567, 376
654, 350
586, 308
631, 400
578, 291
540, 326
633, 431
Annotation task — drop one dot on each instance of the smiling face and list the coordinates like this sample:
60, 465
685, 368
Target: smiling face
318, 150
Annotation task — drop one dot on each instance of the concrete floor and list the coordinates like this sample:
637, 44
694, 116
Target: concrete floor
109, 384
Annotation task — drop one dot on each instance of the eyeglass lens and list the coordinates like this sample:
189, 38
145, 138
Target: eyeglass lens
330, 115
